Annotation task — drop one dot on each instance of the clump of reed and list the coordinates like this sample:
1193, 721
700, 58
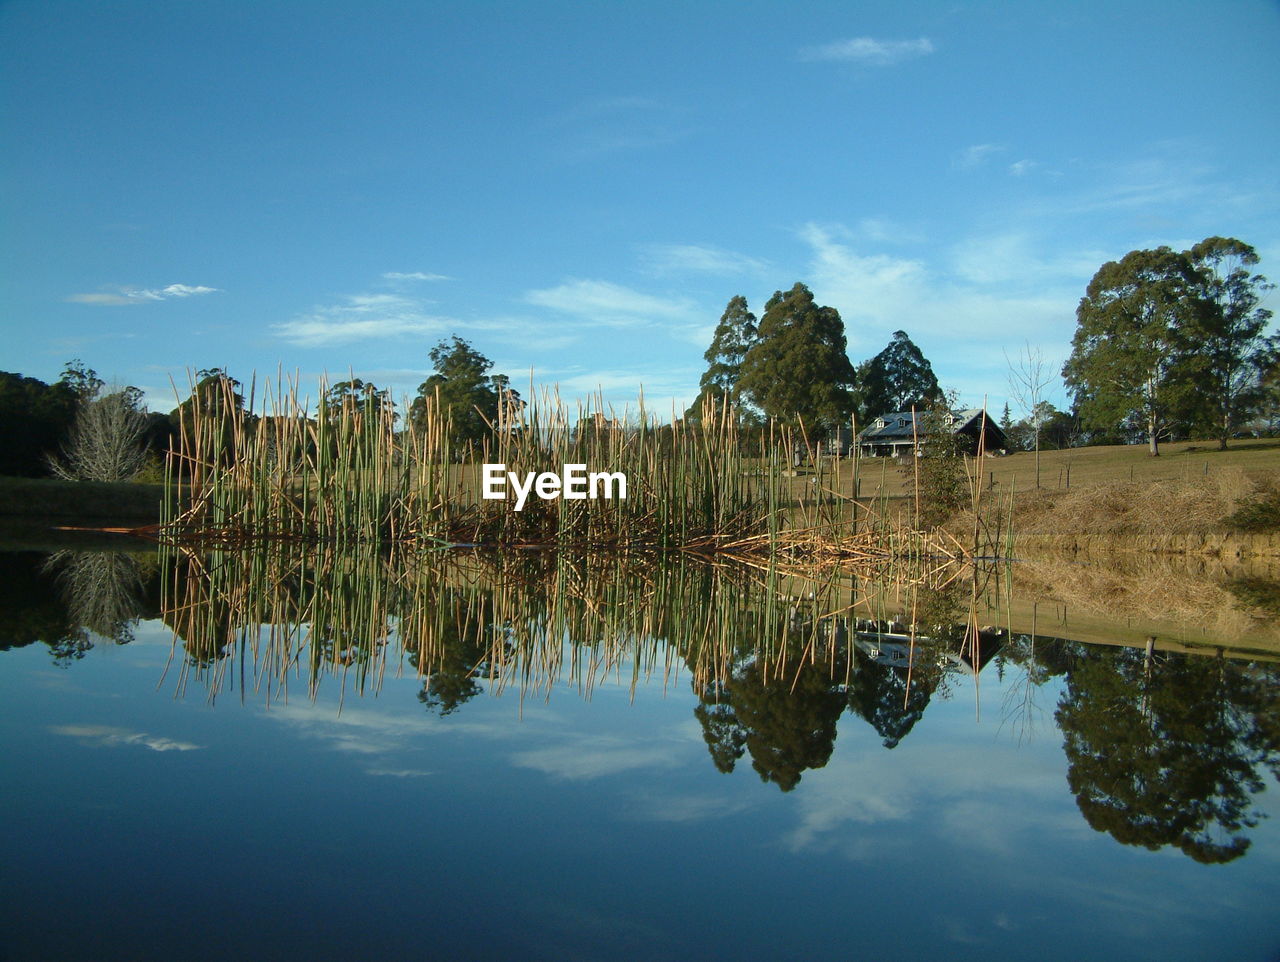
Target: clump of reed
347, 474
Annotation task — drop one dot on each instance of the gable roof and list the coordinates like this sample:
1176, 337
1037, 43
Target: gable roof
899, 425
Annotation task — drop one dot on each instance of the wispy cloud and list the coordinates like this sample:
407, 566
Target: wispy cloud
361, 317
663, 259
870, 51
107, 736
961, 310
414, 276
603, 126
977, 155
609, 304
1022, 167
596, 756
116, 297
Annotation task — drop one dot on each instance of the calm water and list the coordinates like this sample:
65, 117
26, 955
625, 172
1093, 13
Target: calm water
727, 777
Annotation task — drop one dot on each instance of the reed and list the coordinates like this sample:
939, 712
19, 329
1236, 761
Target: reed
347, 474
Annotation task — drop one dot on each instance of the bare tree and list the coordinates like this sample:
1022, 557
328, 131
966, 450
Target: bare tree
1029, 375
106, 439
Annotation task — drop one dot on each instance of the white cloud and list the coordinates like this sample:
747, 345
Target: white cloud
673, 387
869, 51
140, 295
699, 258
414, 276
977, 155
1022, 167
105, 735
990, 292
362, 317
595, 756
609, 304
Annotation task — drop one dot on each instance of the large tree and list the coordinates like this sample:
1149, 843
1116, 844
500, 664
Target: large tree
797, 371
1127, 362
462, 390
733, 337
898, 378
1229, 352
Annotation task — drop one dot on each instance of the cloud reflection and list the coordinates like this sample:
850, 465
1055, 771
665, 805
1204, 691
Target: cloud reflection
107, 736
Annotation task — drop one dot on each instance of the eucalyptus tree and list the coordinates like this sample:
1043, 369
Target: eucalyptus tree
1128, 361
1229, 352
462, 390
797, 370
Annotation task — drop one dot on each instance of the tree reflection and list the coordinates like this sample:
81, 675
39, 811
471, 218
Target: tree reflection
787, 722
458, 654
104, 591
1166, 749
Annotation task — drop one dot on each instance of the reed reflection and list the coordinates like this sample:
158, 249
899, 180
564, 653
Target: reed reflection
1163, 749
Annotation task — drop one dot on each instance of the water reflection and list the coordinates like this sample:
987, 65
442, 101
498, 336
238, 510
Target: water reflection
1162, 749
1170, 750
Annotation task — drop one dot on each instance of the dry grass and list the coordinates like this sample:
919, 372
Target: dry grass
1198, 505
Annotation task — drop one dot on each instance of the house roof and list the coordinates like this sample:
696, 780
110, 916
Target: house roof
898, 425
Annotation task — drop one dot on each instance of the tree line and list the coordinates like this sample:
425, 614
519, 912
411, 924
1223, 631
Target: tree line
1170, 341
1167, 344
792, 366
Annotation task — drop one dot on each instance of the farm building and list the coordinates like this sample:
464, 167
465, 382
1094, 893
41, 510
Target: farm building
895, 435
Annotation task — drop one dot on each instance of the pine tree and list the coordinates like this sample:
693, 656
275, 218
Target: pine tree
898, 378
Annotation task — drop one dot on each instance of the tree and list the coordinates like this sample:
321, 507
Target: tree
733, 337
461, 390
1227, 348
786, 722
1126, 361
896, 379
357, 393
34, 418
82, 381
1028, 377
107, 440
797, 371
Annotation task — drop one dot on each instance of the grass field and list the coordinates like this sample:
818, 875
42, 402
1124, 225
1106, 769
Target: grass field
121, 503
1076, 467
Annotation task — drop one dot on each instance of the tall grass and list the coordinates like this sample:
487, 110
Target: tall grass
348, 474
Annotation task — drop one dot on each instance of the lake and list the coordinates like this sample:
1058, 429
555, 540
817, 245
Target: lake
304, 754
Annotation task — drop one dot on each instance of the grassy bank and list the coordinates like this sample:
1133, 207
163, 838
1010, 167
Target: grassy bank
101, 503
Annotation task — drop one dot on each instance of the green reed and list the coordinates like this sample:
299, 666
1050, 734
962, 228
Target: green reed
349, 474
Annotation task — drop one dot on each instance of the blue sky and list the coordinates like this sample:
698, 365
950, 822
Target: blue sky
579, 188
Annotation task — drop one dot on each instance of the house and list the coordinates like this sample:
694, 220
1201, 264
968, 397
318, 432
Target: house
896, 434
